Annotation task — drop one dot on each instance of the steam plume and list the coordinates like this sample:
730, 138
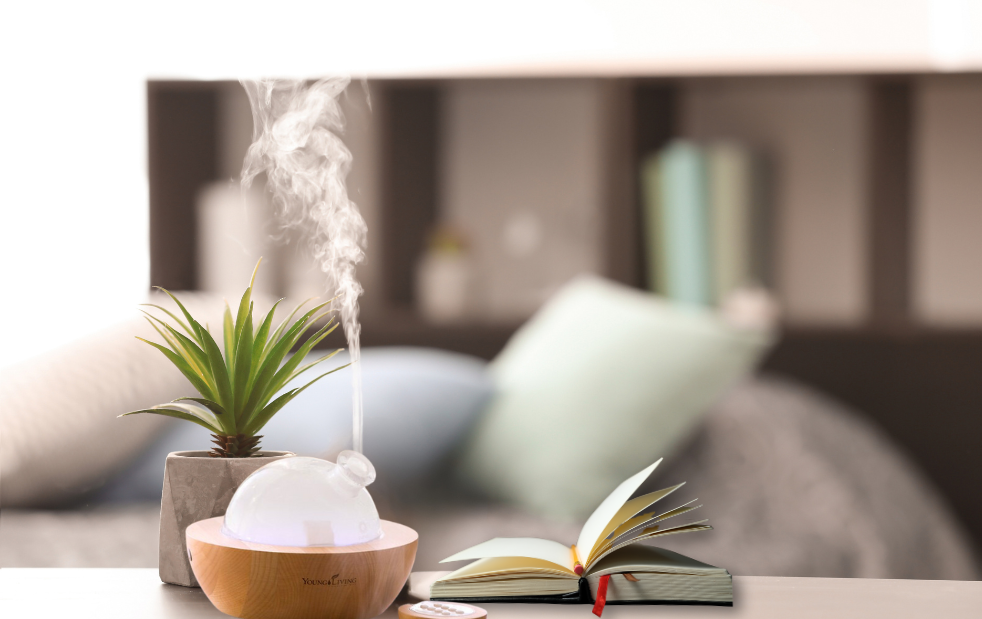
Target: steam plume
296, 128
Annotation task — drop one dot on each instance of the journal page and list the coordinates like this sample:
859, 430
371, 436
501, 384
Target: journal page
597, 523
532, 547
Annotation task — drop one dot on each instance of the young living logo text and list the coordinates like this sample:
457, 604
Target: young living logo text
333, 582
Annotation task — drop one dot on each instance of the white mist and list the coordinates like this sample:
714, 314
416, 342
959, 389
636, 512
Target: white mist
296, 129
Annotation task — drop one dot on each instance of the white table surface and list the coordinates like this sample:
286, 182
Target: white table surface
138, 593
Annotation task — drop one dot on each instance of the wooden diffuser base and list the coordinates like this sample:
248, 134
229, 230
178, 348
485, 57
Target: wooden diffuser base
258, 581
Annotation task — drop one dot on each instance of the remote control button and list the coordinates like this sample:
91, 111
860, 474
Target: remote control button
438, 610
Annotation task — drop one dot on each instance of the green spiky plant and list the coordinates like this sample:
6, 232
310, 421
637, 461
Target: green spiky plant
237, 388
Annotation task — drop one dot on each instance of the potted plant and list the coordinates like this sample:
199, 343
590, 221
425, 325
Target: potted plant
239, 388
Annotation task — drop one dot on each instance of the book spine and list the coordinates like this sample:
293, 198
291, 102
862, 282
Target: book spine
732, 212
584, 593
684, 224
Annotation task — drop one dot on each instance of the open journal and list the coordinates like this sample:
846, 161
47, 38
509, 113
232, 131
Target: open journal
604, 565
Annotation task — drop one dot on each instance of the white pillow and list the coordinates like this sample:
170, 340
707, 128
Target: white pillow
601, 382
59, 435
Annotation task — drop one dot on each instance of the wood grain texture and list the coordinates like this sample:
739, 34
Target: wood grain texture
259, 581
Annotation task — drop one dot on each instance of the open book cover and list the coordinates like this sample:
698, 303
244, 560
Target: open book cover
604, 565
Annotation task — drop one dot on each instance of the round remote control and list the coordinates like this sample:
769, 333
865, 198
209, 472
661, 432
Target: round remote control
439, 610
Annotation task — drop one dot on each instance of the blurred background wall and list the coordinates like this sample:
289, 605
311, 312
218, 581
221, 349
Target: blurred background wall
506, 145
504, 189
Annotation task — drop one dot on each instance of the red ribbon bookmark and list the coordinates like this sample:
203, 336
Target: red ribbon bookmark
598, 606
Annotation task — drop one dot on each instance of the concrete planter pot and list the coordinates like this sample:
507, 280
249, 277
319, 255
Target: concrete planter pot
196, 487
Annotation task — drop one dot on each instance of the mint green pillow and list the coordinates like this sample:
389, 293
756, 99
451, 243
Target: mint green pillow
600, 383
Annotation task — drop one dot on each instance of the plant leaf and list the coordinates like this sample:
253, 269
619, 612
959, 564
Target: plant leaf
223, 384
282, 375
282, 344
296, 331
175, 346
267, 413
192, 354
303, 369
177, 414
201, 412
245, 305
286, 321
271, 360
259, 344
237, 386
215, 407
183, 366
228, 335
191, 321
243, 364
173, 316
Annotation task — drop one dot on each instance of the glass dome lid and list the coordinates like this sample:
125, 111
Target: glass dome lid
304, 501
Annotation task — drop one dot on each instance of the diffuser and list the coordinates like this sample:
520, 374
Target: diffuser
302, 539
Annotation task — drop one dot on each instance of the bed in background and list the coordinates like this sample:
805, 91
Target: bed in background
794, 484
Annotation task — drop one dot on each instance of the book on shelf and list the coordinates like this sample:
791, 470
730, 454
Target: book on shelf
705, 220
677, 222
606, 564
738, 216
